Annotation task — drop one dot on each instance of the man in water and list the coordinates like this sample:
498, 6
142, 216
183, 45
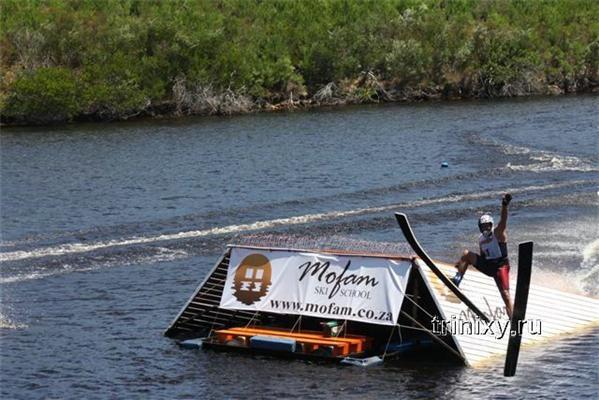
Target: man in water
492, 260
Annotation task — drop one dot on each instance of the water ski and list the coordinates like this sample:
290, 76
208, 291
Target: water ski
404, 224
520, 301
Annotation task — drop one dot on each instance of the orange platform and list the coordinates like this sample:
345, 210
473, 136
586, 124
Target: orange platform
311, 340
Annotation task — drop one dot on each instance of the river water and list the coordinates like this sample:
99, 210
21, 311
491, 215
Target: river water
108, 228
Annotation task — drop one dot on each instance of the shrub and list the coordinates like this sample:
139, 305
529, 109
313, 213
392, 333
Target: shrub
43, 96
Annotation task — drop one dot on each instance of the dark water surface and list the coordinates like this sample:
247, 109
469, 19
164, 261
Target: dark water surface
107, 229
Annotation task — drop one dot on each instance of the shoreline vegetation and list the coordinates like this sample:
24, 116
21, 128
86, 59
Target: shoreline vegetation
103, 60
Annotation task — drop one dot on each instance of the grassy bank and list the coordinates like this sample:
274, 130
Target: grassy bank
104, 60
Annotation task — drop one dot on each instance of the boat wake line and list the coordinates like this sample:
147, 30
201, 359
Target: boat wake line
538, 160
75, 248
159, 254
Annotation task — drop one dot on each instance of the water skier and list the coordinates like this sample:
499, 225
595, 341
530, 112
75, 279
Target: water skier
493, 259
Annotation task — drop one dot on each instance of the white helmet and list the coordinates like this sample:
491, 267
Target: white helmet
483, 220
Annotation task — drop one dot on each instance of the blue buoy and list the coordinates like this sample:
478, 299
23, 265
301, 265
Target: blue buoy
444, 164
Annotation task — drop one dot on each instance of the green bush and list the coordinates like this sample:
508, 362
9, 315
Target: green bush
44, 95
113, 89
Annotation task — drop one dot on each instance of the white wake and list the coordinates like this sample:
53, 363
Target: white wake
74, 248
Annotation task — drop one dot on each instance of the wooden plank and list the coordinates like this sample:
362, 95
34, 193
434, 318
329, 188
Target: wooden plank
214, 286
210, 296
224, 319
202, 324
522, 289
404, 224
224, 316
201, 306
219, 274
216, 281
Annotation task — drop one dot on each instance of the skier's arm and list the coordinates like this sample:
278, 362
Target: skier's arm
500, 231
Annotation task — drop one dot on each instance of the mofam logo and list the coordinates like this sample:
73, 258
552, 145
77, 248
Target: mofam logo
340, 280
252, 279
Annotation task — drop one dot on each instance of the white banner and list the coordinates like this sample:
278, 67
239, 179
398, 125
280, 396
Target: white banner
358, 288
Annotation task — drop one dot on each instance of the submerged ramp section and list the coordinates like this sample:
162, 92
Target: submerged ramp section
550, 313
202, 313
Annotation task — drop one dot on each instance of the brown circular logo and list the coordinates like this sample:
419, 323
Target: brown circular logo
252, 279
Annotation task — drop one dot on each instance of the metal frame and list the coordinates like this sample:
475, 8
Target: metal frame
195, 293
